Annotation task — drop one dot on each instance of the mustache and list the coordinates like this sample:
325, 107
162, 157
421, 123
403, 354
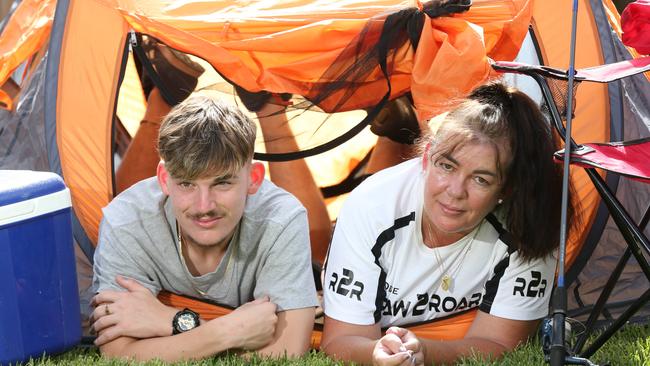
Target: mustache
206, 215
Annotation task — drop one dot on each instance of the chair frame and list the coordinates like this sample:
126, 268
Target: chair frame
632, 233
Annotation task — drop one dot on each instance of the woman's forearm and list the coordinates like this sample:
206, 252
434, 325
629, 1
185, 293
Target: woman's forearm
351, 348
449, 352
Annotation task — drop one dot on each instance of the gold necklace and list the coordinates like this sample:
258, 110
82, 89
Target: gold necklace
447, 279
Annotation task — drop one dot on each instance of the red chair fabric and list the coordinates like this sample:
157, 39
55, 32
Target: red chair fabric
628, 158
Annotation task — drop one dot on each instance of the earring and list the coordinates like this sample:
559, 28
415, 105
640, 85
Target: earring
499, 201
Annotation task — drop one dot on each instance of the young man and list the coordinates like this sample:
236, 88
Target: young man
207, 226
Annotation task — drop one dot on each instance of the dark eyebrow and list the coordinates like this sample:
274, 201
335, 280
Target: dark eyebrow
485, 172
225, 177
480, 171
448, 157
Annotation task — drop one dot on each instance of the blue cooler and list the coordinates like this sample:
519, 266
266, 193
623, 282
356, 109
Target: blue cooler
39, 300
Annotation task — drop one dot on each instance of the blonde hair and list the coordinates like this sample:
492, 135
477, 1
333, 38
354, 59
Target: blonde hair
203, 135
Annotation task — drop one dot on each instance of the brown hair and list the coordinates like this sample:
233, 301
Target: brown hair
532, 182
203, 135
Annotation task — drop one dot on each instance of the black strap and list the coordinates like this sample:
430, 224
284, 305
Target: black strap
275, 157
350, 182
136, 45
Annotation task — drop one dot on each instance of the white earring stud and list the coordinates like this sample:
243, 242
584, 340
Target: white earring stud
499, 201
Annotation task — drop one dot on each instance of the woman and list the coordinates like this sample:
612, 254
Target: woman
425, 240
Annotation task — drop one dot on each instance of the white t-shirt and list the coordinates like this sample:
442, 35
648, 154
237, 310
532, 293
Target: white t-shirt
379, 270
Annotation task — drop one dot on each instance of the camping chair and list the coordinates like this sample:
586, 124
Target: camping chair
627, 159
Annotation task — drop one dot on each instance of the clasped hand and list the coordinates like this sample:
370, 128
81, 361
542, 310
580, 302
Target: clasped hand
254, 324
398, 347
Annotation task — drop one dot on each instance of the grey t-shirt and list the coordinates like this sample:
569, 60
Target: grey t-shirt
268, 255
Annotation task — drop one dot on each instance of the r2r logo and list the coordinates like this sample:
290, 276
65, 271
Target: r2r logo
536, 286
342, 286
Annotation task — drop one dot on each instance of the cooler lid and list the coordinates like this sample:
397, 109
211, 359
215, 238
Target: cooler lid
22, 185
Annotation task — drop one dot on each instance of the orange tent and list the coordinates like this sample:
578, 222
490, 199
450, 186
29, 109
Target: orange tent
70, 59
236, 42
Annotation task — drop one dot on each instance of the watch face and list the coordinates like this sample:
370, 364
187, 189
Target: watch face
186, 322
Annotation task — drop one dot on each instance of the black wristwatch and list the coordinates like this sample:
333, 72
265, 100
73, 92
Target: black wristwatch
185, 320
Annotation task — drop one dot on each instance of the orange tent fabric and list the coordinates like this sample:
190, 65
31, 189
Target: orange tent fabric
454, 41
291, 53
554, 46
286, 46
22, 37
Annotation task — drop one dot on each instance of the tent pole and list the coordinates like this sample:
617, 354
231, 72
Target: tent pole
558, 349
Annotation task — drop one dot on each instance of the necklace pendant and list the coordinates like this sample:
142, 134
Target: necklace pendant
446, 283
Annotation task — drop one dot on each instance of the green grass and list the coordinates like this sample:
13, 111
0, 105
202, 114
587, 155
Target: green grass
630, 346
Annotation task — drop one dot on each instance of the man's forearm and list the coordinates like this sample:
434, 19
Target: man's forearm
292, 334
204, 341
